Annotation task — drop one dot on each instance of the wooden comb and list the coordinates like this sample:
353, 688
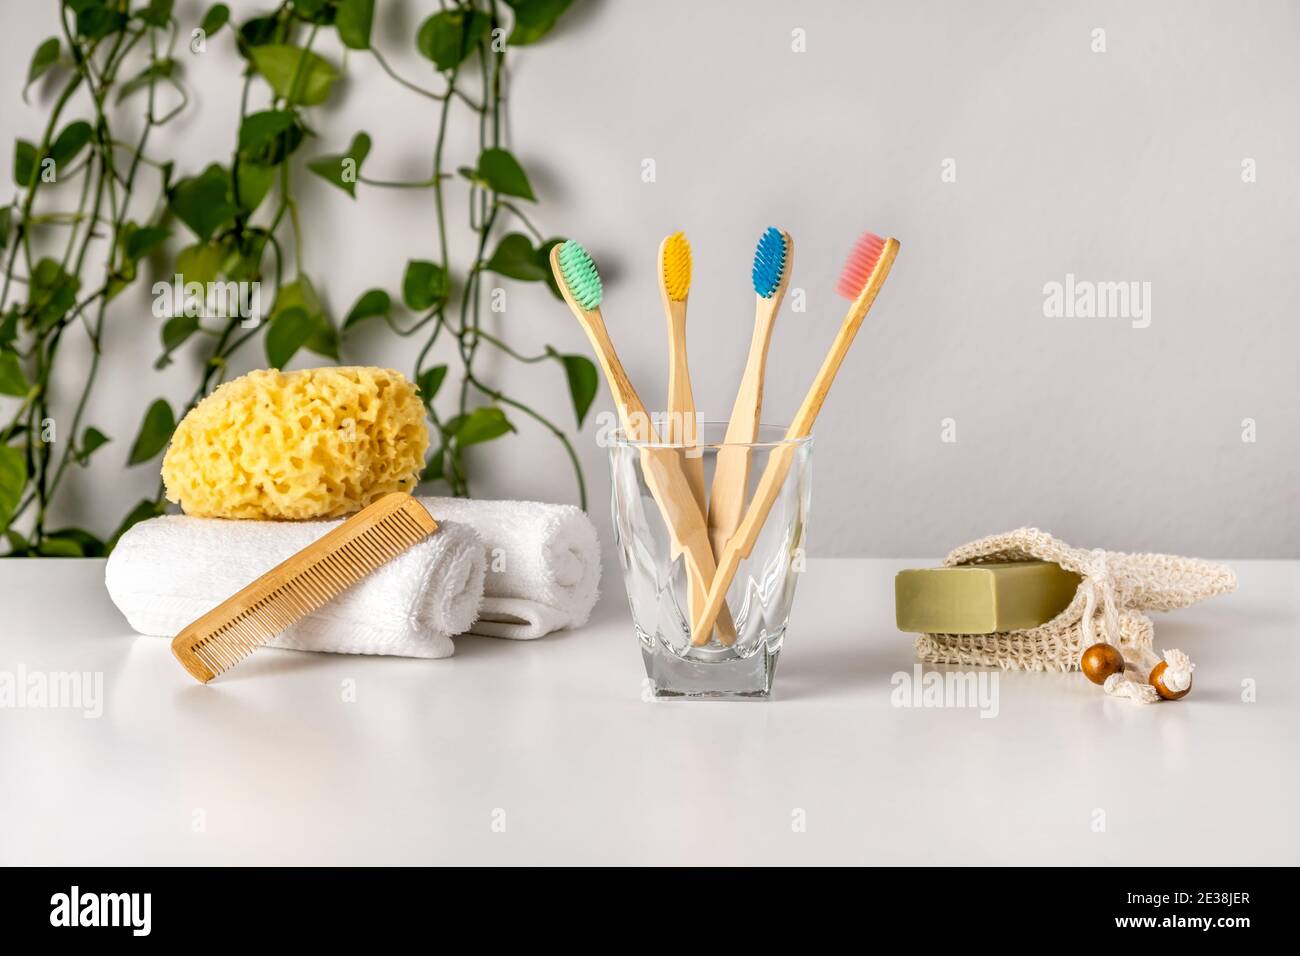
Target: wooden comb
299, 585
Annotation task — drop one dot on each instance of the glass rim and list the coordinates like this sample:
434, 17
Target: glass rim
619, 439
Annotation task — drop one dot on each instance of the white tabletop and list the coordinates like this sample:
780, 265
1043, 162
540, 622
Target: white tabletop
546, 752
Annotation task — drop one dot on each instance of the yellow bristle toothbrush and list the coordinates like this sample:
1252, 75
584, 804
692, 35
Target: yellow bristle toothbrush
674, 287
579, 283
863, 275
773, 259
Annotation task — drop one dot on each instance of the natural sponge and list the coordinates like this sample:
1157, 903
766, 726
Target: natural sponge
316, 443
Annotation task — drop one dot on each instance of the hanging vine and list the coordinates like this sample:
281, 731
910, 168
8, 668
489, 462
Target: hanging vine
240, 224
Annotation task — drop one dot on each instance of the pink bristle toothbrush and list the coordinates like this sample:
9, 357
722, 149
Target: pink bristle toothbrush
863, 275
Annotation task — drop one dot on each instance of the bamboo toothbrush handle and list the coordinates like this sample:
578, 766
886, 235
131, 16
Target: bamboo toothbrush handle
769, 486
742, 541
682, 428
663, 473
731, 474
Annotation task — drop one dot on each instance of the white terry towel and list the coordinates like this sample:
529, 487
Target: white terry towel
168, 571
543, 564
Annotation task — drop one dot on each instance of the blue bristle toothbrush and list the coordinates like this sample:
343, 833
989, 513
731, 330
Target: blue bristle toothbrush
863, 275
773, 258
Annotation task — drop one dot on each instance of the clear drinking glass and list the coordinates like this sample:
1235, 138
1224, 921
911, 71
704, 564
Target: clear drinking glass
658, 587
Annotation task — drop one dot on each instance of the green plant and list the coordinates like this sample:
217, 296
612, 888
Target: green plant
97, 42
243, 218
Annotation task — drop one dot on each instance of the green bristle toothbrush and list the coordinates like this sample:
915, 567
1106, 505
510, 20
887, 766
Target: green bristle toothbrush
579, 283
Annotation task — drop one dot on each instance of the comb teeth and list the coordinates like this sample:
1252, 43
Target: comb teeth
769, 262
580, 274
862, 263
677, 266
289, 592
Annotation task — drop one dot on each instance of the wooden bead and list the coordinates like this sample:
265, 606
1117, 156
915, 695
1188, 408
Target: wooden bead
1100, 661
1157, 680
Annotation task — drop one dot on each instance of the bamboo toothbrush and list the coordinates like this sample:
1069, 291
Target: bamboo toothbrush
674, 287
863, 275
773, 260
579, 283
296, 587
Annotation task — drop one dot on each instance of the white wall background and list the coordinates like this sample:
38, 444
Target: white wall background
1123, 165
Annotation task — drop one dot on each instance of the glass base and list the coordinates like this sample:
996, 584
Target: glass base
737, 678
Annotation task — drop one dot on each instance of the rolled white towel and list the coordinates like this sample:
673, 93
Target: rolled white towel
168, 571
543, 564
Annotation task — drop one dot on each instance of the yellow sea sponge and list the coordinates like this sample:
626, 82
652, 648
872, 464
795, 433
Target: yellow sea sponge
316, 443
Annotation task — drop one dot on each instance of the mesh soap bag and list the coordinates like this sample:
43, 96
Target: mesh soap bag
1109, 607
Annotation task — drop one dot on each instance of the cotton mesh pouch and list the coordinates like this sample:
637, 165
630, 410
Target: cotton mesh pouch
1110, 606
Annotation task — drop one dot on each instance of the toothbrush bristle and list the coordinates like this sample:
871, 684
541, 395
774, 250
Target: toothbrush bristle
580, 274
677, 266
862, 263
770, 257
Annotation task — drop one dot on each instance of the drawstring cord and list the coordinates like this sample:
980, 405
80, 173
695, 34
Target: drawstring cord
1099, 590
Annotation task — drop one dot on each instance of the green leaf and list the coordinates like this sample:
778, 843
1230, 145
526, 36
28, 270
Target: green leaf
157, 70
13, 479
301, 294
43, 60
6, 221
52, 293
9, 326
141, 512
71, 543
255, 32
200, 262
279, 63
92, 439
288, 332
324, 339
13, 381
244, 255
140, 241
266, 138
344, 170
258, 128
177, 329
503, 174
24, 164
482, 424
353, 20
433, 469
316, 11
155, 431
515, 258
429, 381
372, 302
70, 142
449, 37
424, 285
96, 21
217, 16
534, 19
254, 181
583, 381
174, 333
157, 13
203, 202
59, 548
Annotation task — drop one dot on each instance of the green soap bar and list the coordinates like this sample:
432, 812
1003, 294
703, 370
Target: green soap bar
982, 598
